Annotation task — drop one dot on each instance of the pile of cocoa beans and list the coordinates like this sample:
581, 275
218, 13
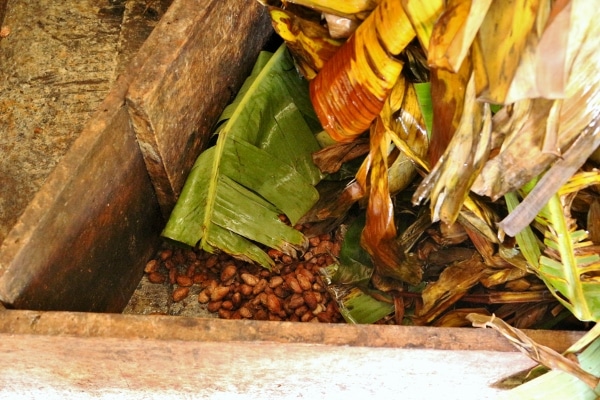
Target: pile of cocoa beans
292, 291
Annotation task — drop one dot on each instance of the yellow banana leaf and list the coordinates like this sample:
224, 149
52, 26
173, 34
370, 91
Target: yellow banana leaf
454, 32
308, 41
345, 8
503, 37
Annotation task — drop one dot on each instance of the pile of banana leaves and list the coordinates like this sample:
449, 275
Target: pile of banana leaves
453, 144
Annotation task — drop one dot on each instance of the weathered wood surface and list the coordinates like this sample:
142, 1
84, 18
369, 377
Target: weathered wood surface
141, 357
83, 236
204, 50
56, 66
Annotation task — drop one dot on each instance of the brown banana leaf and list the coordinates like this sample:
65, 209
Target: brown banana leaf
448, 184
454, 282
350, 90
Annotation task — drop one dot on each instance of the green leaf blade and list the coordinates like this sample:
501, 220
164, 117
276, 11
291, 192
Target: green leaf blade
260, 167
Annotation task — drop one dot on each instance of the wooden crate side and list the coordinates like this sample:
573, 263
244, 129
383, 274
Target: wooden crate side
178, 357
83, 240
203, 50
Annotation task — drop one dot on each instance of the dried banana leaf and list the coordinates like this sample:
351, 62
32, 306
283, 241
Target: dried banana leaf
568, 379
448, 184
308, 41
350, 90
260, 167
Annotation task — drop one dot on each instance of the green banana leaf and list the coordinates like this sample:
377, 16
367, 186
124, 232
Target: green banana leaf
261, 167
570, 265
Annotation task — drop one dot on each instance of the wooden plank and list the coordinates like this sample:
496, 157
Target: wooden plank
203, 53
83, 239
179, 357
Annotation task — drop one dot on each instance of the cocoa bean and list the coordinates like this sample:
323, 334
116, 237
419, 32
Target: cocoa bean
261, 315
245, 289
227, 305
249, 279
184, 280
260, 287
166, 254
172, 276
214, 306
300, 311
201, 279
211, 261
151, 266
228, 272
273, 304
203, 297
303, 282
293, 284
275, 281
191, 270
307, 317
307, 274
180, 293
156, 277
296, 300
224, 313
245, 312
219, 293
314, 241
311, 300
236, 299
325, 317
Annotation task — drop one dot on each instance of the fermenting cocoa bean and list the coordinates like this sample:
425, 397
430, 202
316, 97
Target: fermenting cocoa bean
224, 313
236, 299
261, 315
249, 279
151, 266
228, 272
227, 305
172, 276
310, 300
211, 261
273, 304
156, 277
245, 289
219, 293
214, 306
296, 300
180, 293
184, 280
275, 281
303, 282
300, 311
293, 284
308, 274
260, 287
203, 297
307, 317
166, 254
245, 312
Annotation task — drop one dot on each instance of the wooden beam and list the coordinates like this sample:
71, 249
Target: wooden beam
179, 357
202, 53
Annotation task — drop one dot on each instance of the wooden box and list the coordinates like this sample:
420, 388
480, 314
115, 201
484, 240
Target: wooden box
105, 203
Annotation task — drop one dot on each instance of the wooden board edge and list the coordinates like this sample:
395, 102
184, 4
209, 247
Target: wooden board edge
172, 328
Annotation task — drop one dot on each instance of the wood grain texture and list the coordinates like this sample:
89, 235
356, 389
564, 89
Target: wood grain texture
83, 239
203, 51
177, 357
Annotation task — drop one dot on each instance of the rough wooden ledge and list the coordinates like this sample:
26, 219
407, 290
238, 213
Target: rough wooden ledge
177, 357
